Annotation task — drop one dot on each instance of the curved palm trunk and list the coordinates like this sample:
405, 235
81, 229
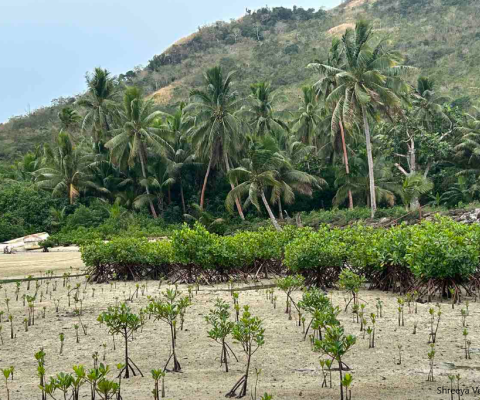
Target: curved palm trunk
205, 180
371, 178
142, 163
182, 197
270, 213
280, 210
237, 201
347, 169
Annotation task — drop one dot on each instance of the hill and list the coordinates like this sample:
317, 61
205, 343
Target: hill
439, 37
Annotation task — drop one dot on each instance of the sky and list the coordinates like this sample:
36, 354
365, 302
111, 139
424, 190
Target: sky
47, 46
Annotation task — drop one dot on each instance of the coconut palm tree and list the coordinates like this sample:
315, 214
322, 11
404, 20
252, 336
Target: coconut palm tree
308, 117
386, 186
217, 133
469, 147
428, 106
100, 102
178, 152
414, 185
64, 171
258, 172
335, 142
369, 84
68, 118
130, 142
260, 114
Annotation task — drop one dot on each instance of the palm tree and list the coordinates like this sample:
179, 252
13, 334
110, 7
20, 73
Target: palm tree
369, 83
178, 152
64, 173
203, 217
414, 185
216, 134
261, 114
308, 117
427, 105
258, 172
324, 87
99, 102
469, 147
68, 118
358, 182
130, 142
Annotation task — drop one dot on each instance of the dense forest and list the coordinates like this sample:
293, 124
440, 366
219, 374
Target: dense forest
365, 129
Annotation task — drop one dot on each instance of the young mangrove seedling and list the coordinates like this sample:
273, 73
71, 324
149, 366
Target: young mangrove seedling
62, 340
453, 295
379, 308
451, 379
433, 328
121, 320
10, 318
168, 310
249, 332
6, 374
104, 345
401, 305
94, 376
431, 360
373, 318
351, 282
466, 343
324, 373
75, 326
399, 354
158, 374
78, 380
289, 285
40, 357
219, 319
336, 344
415, 323
347, 382
315, 303
107, 389
464, 317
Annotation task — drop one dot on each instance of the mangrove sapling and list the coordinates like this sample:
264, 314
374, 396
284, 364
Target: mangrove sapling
453, 294
313, 302
7, 302
401, 305
433, 328
104, 345
78, 380
399, 354
288, 285
379, 308
415, 323
467, 303
458, 384
464, 317
431, 360
219, 319
44, 310
10, 318
369, 331
40, 357
6, 374
29, 279
324, 373
248, 331
355, 311
158, 374
107, 389
63, 382
351, 282
168, 310
75, 326
347, 382
62, 340
467, 344
451, 378
25, 323
336, 344
373, 318
17, 290
120, 367
94, 376
120, 320
184, 303
57, 304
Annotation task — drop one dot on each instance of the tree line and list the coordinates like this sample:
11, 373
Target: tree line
363, 132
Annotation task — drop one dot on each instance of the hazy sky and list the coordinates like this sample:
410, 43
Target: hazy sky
47, 46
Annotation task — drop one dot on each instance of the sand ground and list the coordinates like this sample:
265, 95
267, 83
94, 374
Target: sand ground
290, 370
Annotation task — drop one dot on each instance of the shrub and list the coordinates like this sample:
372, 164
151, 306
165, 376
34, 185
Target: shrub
319, 255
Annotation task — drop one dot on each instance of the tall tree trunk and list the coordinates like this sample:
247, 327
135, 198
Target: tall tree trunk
280, 210
205, 180
371, 178
144, 173
345, 160
237, 201
270, 213
182, 197
415, 202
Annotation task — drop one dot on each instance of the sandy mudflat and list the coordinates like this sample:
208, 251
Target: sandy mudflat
290, 370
